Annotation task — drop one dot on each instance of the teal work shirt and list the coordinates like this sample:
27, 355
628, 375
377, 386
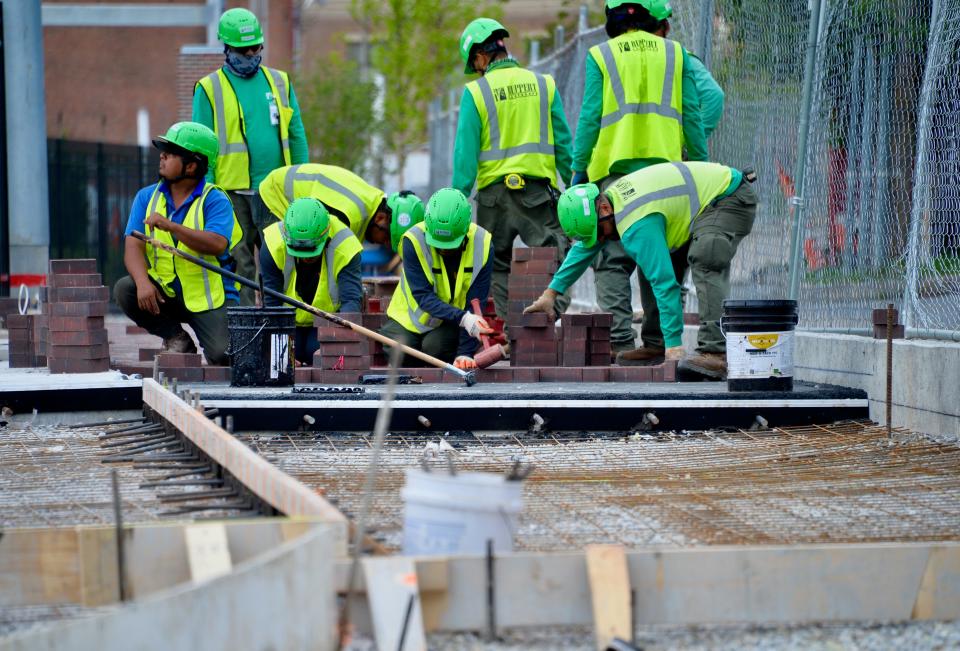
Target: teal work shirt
466, 148
646, 243
263, 137
711, 95
591, 111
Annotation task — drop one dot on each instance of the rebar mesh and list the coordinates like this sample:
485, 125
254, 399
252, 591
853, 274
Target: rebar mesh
840, 483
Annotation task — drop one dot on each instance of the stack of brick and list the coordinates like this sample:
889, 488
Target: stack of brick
8, 305
184, 367
76, 309
533, 337
21, 347
340, 348
585, 339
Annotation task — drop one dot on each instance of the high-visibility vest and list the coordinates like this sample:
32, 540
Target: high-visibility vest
678, 191
403, 306
201, 289
232, 171
516, 136
642, 100
340, 249
335, 187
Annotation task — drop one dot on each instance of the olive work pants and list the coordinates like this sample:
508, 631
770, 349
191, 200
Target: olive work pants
441, 342
210, 326
531, 213
253, 216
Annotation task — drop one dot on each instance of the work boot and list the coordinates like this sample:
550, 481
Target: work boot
712, 365
179, 343
642, 356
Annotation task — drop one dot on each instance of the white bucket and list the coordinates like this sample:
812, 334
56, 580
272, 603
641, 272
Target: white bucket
457, 514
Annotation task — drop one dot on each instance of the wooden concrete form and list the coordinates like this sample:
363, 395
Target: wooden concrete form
267, 482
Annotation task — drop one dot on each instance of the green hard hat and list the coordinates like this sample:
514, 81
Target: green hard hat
406, 209
577, 211
478, 31
659, 9
306, 228
185, 138
448, 218
239, 28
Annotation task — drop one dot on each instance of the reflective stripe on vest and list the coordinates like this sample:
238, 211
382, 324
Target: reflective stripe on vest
689, 188
293, 174
664, 108
220, 111
283, 98
498, 152
415, 314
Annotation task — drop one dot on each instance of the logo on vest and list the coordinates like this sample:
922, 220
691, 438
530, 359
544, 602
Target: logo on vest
638, 45
514, 91
625, 189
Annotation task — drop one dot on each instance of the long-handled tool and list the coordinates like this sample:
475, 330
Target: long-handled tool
468, 376
491, 353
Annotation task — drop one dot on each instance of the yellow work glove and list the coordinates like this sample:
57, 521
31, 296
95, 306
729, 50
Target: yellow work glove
545, 303
464, 363
475, 325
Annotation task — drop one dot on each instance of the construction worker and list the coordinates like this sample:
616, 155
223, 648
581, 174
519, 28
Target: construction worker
185, 211
446, 264
652, 212
512, 140
370, 214
641, 106
254, 112
314, 259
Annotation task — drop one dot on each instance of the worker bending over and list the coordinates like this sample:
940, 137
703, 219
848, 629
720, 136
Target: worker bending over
652, 212
184, 211
512, 140
314, 259
446, 264
370, 214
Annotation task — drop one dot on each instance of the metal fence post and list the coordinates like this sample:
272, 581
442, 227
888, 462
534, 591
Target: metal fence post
813, 37
583, 23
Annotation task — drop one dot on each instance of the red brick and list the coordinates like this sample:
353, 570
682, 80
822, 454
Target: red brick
97, 308
599, 334
534, 320
540, 360
374, 321
216, 373
602, 319
350, 349
78, 294
349, 363
631, 374
575, 319
178, 360
95, 351
188, 374
75, 280
598, 359
691, 318
20, 321
74, 323
526, 374
521, 254
670, 370
336, 334
561, 374
596, 374
543, 252
147, 354
573, 358
78, 365
336, 377
574, 345
879, 317
79, 337
303, 375
599, 346
499, 374
75, 266
136, 330
535, 267
880, 332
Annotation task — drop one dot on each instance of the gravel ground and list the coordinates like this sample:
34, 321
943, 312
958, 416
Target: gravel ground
916, 636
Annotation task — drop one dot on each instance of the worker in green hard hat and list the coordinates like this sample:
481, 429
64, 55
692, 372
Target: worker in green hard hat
512, 142
705, 208
370, 214
446, 264
641, 106
187, 212
255, 114
315, 259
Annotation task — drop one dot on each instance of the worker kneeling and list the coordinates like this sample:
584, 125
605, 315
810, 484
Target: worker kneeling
446, 264
315, 259
654, 212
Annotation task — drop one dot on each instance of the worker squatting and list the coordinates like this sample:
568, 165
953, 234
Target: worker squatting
236, 188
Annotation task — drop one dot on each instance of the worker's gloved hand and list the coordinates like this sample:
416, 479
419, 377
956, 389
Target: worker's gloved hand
545, 303
674, 353
475, 325
464, 363
578, 178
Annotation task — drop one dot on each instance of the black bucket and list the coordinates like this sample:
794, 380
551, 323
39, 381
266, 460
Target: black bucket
760, 341
261, 346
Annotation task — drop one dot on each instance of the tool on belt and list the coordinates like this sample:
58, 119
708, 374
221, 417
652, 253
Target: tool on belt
749, 174
514, 182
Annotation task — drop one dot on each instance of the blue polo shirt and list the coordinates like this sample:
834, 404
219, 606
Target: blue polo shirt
217, 218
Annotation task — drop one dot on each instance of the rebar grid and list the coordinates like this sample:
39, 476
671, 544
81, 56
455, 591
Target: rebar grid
838, 483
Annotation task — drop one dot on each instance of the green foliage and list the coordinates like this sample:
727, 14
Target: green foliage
337, 102
415, 49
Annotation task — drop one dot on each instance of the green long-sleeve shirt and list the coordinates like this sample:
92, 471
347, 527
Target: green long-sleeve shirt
646, 243
263, 137
466, 149
711, 95
591, 111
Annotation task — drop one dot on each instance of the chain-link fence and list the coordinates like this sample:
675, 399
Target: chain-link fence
880, 207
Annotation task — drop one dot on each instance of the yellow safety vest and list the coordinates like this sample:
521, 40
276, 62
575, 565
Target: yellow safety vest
337, 253
642, 100
233, 162
517, 133
678, 191
404, 308
335, 187
202, 290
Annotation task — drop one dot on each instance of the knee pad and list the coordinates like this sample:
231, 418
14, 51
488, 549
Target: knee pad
712, 251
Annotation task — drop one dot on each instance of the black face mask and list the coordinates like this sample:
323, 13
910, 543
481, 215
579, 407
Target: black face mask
242, 65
